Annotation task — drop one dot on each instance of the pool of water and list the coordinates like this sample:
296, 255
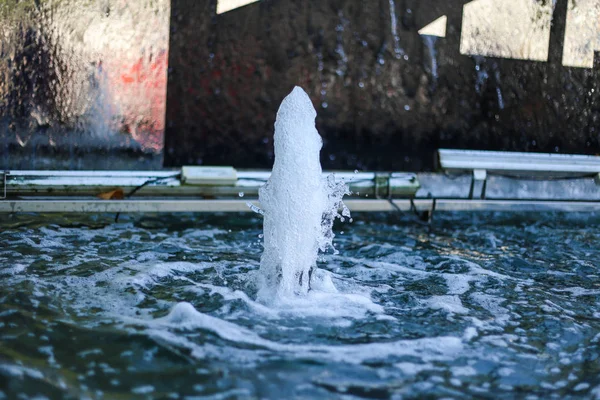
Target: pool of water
477, 306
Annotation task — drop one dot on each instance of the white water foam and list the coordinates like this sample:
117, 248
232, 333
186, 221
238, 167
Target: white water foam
299, 205
185, 317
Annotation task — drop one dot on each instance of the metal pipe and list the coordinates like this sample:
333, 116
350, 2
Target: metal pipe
356, 205
168, 183
518, 162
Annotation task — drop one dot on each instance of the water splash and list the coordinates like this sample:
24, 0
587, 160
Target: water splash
482, 74
321, 69
430, 43
500, 97
498, 90
398, 52
342, 66
102, 110
380, 59
299, 205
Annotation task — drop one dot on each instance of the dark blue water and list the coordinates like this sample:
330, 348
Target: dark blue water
487, 306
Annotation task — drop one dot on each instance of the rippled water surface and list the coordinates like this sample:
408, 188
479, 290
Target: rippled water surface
492, 306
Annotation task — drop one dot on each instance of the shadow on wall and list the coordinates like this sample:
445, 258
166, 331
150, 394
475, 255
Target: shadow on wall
82, 80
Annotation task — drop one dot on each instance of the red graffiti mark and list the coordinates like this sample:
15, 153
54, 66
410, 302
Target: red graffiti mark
139, 90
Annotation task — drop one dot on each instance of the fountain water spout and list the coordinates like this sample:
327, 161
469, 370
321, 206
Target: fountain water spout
299, 205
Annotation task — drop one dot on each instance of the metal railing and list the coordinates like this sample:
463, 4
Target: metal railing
470, 181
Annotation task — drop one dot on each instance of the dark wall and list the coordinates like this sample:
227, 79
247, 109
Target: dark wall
382, 103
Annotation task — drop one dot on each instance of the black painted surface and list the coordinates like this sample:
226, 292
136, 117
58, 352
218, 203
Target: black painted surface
228, 74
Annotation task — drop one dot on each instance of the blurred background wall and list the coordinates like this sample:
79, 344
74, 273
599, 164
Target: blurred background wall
130, 84
392, 80
82, 83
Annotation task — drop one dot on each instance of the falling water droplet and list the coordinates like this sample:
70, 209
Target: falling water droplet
430, 44
241, 194
398, 52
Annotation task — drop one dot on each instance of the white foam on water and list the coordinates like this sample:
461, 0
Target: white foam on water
14, 270
299, 206
578, 291
148, 274
328, 305
458, 283
409, 368
145, 389
185, 317
117, 291
19, 371
231, 295
451, 304
492, 304
324, 300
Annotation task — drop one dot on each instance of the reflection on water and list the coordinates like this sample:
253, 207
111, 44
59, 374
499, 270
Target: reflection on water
157, 307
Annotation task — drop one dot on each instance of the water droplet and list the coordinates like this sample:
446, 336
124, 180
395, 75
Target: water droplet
324, 104
406, 57
356, 171
342, 232
351, 220
361, 85
260, 236
407, 107
241, 194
